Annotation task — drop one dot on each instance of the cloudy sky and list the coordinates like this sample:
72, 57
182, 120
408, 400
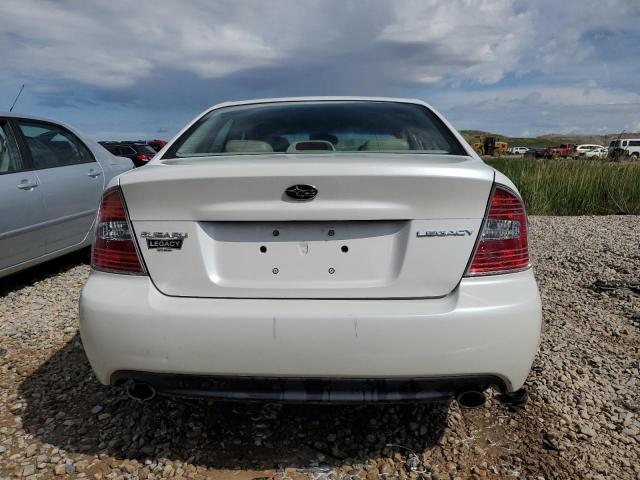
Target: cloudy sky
143, 68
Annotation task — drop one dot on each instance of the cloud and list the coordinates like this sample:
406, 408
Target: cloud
542, 109
545, 95
154, 64
115, 44
460, 39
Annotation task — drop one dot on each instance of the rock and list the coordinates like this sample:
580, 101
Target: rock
97, 409
581, 420
31, 450
28, 470
81, 466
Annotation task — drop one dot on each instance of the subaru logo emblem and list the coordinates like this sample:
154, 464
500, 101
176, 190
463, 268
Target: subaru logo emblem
301, 192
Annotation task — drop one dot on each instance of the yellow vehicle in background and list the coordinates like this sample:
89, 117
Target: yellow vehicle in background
489, 146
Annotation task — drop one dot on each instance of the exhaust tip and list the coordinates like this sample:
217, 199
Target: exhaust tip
471, 399
142, 392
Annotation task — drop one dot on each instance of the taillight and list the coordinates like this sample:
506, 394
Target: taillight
114, 248
503, 246
143, 157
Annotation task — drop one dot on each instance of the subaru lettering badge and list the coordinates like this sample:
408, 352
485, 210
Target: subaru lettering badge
301, 192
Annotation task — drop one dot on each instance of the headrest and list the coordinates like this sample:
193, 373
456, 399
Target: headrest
382, 144
311, 146
247, 146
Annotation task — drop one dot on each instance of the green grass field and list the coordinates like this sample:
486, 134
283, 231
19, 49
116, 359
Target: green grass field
574, 187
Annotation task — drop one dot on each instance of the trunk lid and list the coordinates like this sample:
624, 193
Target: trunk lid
381, 226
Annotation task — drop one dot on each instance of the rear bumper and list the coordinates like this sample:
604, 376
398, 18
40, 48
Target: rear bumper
311, 389
488, 328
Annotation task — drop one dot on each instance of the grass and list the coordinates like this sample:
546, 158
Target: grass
574, 187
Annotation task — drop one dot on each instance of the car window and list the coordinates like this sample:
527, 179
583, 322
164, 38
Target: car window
10, 158
634, 143
84, 151
51, 146
146, 149
126, 150
111, 149
330, 126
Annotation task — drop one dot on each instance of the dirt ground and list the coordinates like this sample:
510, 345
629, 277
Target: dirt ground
581, 420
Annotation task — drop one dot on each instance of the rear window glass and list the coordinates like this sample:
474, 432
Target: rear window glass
111, 148
51, 147
317, 127
145, 149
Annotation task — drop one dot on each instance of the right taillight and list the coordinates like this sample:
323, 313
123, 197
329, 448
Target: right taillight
114, 248
503, 246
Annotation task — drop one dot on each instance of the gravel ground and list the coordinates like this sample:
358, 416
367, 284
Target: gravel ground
581, 420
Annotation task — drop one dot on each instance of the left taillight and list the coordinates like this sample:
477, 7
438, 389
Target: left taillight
114, 248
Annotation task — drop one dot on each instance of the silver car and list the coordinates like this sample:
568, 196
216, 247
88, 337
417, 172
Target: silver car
51, 178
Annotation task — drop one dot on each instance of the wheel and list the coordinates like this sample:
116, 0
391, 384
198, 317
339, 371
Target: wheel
635, 155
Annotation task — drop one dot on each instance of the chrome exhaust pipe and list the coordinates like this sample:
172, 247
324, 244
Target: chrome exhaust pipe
471, 399
142, 392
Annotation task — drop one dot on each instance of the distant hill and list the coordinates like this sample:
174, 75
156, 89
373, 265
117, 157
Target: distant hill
547, 140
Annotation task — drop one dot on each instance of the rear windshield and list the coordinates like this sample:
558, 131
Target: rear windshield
144, 149
317, 127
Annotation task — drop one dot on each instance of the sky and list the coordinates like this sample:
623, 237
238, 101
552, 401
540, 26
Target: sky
142, 69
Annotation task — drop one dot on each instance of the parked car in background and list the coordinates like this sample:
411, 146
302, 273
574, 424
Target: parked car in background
138, 152
313, 249
581, 150
564, 150
626, 147
157, 144
599, 152
518, 150
51, 179
536, 152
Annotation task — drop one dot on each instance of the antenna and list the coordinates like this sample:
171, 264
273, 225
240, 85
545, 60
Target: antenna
17, 97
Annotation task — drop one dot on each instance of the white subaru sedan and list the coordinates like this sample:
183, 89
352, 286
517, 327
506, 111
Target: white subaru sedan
312, 249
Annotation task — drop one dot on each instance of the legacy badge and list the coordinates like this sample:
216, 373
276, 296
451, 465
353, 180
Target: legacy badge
164, 241
444, 233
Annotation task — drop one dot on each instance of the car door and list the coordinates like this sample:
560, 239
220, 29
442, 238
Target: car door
71, 178
22, 213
